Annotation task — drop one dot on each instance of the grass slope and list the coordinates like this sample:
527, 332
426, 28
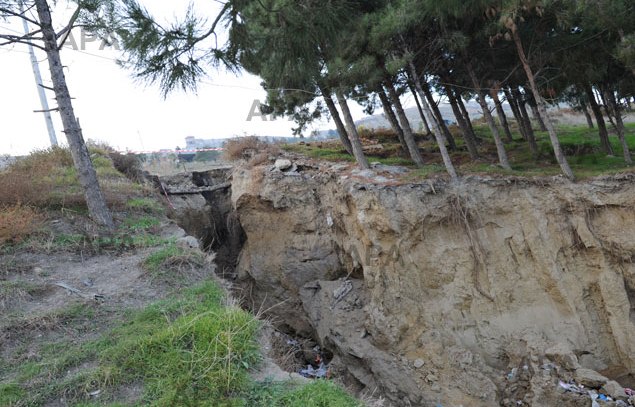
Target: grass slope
580, 144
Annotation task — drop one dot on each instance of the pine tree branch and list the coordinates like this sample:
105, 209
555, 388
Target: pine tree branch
20, 15
67, 30
219, 17
16, 39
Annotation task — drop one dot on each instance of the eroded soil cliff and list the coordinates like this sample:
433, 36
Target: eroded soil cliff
481, 293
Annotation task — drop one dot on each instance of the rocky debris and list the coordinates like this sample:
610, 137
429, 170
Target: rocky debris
188, 242
589, 378
473, 278
418, 363
287, 167
338, 167
369, 175
615, 390
561, 355
390, 169
269, 370
282, 164
191, 182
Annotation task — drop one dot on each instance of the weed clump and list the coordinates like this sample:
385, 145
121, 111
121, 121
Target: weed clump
172, 260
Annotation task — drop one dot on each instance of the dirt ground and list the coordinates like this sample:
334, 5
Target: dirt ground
67, 295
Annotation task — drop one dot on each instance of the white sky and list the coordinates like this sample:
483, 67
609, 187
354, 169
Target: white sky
113, 108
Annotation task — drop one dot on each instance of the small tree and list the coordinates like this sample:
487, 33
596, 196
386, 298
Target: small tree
45, 38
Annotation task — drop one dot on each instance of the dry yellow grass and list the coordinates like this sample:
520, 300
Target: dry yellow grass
18, 222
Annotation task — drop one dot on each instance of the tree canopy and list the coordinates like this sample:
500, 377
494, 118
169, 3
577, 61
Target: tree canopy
530, 53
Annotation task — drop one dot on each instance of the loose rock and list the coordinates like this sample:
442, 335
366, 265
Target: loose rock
590, 378
282, 164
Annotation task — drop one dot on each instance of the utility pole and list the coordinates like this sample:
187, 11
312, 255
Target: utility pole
38, 83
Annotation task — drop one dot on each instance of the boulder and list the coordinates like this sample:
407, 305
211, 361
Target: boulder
614, 389
561, 355
589, 378
282, 164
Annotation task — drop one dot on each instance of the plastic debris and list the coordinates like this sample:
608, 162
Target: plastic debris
604, 397
320, 373
629, 392
292, 342
596, 396
574, 388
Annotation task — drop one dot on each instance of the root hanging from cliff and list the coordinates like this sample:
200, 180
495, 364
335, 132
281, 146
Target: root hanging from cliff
461, 215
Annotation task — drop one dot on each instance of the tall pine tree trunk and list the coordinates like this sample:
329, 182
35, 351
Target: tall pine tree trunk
542, 109
437, 113
501, 112
500, 148
424, 121
534, 110
413, 149
351, 130
470, 143
585, 110
392, 119
95, 201
516, 112
599, 119
438, 133
541, 123
605, 104
614, 107
341, 129
522, 108
466, 115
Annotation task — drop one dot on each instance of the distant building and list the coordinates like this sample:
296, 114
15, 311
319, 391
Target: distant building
193, 143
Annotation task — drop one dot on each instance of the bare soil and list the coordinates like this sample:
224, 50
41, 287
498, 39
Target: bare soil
67, 295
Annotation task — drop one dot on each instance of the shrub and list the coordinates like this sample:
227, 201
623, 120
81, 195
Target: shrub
239, 148
127, 164
48, 179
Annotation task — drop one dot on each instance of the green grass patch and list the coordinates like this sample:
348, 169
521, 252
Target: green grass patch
141, 223
426, 171
135, 232
189, 350
329, 154
391, 161
147, 205
10, 394
319, 393
171, 258
184, 350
